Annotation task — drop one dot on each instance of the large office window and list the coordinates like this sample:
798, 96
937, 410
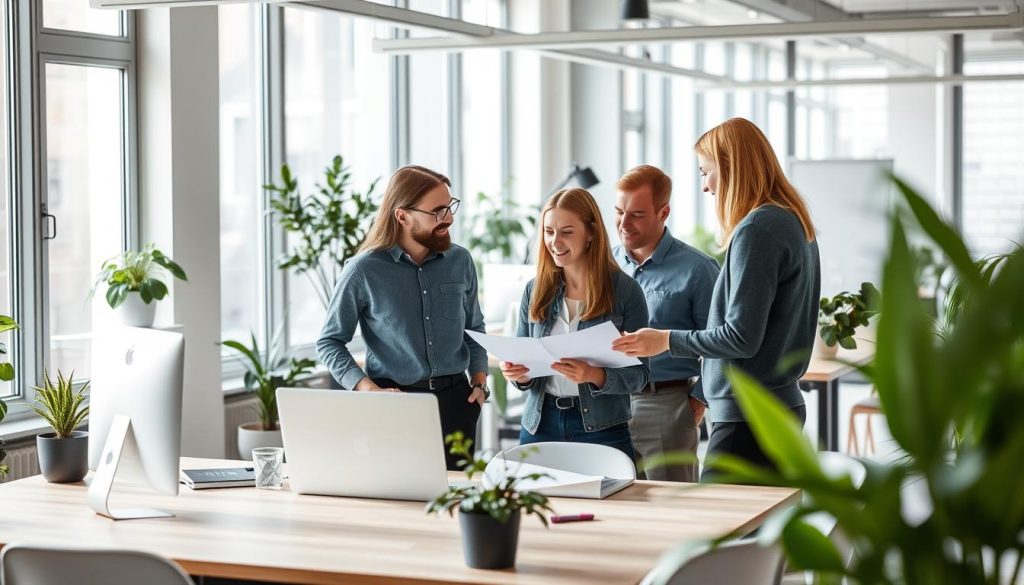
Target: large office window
241, 214
993, 199
333, 104
78, 209
861, 114
84, 191
483, 87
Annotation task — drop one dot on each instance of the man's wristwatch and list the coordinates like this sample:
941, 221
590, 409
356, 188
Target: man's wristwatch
482, 386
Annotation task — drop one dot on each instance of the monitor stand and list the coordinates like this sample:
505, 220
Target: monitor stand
119, 439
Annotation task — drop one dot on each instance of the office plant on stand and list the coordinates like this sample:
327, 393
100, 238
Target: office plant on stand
133, 283
841, 315
264, 374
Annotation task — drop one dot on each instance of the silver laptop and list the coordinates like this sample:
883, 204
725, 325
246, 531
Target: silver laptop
382, 445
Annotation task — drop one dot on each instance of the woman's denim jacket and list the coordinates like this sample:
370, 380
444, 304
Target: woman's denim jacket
600, 407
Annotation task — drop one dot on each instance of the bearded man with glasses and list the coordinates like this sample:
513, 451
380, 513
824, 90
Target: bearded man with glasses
412, 293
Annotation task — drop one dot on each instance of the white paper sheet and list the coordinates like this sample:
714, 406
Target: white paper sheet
592, 345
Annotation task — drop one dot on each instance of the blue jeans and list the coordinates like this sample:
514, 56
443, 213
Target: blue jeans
567, 425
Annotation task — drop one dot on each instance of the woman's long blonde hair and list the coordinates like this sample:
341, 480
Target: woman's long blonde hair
407, 186
749, 175
599, 296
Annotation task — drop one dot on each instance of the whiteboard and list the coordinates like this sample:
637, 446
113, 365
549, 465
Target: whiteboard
849, 203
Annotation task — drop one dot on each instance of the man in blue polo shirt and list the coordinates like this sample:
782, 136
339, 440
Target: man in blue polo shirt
677, 281
412, 294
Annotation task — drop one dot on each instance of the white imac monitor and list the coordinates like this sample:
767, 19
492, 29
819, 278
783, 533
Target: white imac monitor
135, 414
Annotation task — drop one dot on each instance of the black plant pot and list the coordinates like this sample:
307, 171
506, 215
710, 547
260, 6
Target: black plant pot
487, 543
63, 460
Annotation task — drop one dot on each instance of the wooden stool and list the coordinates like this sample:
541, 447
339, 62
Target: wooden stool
869, 406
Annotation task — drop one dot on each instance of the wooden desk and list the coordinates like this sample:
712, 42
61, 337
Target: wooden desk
823, 377
245, 533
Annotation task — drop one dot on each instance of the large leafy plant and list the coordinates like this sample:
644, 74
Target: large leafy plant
840, 316
968, 383
6, 375
60, 405
499, 501
328, 225
137, 272
266, 372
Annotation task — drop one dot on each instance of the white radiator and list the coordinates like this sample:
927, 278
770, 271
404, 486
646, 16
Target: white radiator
22, 462
237, 412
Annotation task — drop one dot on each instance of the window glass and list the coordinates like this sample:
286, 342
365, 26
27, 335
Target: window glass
84, 190
76, 15
241, 215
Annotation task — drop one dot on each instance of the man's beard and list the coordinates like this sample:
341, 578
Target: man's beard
432, 240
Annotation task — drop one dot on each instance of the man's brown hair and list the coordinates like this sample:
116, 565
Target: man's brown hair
637, 177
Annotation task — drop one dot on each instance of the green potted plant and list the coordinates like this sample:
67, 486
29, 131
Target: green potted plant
952, 400
326, 226
264, 374
6, 375
136, 272
840, 316
489, 517
64, 453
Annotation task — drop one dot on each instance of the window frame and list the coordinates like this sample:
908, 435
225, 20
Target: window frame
30, 48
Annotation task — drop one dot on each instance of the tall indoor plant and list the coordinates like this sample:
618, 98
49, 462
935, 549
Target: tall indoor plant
327, 225
953, 403
265, 372
6, 375
64, 453
489, 517
133, 283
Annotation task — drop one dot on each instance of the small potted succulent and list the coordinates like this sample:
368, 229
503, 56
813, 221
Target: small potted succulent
136, 272
489, 517
840, 316
264, 374
64, 453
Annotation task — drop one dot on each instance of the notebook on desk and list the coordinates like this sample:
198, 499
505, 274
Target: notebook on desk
201, 479
561, 483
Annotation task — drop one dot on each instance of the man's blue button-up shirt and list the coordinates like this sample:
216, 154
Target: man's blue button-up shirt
678, 281
412, 317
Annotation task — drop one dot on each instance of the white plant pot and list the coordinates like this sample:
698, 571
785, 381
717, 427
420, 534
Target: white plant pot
822, 350
135, 313
250, 436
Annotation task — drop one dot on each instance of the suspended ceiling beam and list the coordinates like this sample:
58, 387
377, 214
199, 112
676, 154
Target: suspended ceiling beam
422, 20
907, 80
786, 30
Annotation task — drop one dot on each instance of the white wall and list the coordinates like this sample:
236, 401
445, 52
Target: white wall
179, 197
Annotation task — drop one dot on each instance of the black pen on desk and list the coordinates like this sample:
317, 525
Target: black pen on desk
572, 518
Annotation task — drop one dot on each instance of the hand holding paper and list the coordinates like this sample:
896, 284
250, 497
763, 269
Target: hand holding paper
592, 345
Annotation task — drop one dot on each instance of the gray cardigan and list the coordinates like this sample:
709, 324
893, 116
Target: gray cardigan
764, 309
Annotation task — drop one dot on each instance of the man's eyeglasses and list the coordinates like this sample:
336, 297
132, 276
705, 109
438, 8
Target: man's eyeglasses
441, 214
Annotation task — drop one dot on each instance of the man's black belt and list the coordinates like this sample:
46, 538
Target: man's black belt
670, 386
438, 382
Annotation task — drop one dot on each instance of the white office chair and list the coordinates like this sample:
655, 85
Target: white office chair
834, 465
22, 564
582, 458
740, 561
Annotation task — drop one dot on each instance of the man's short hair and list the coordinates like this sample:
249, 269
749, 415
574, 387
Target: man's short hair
637, 177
